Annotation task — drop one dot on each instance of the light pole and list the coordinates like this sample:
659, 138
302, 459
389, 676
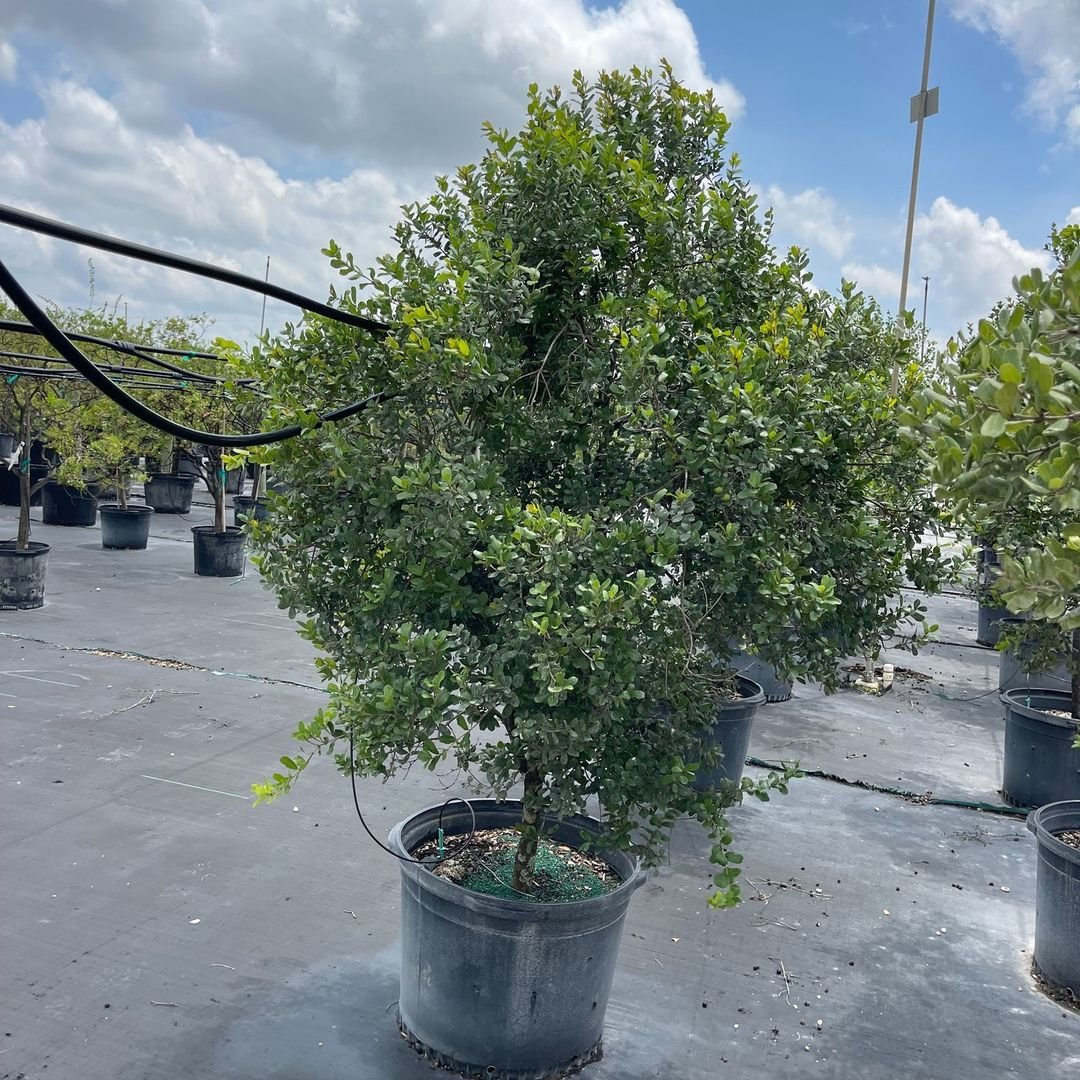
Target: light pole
923, 104
925, 298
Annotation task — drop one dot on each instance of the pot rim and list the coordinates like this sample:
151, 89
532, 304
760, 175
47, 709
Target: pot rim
231, 533
751, 692
517, 910
184, 478
1031, 712
116, 509
34, 547
1046, 838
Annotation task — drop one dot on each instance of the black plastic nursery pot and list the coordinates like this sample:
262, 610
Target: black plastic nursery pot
247, 506
505, 989
731, 734
169, 493
1040, 764
22, 576
125, 528
9, 484
1057, 895
990, 624
64, 505
765, 675
1015, 671
218, 554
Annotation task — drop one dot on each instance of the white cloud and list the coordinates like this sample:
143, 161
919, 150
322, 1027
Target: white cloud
83, 163
9, 60
385, 83
1045, 36
232, 129
877, 280
970, 260
810, 218
1074, 216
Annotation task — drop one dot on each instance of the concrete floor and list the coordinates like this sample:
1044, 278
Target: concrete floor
155, 925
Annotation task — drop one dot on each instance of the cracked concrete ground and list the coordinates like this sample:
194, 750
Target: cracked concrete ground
155, 925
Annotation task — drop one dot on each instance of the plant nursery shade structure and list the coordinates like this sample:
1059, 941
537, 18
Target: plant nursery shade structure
65, 344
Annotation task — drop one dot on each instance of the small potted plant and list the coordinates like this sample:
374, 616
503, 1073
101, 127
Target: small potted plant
617, 435
219, 548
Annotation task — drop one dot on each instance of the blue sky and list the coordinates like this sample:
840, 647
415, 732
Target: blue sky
236, 129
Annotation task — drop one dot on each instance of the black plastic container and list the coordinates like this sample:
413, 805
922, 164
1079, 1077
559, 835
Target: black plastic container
22, 576
1057, 895
170, 493
125, 528
64, 505
218, 554
9, 484
990, 624
764, 674
497, 988
1040, 764
247, 506
730, 733
1014, 670
991, 615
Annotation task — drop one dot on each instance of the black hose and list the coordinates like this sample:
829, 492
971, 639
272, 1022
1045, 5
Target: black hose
59, 341
11, 215
13, 326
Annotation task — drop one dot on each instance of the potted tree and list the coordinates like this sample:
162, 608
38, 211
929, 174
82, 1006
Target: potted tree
23, 562
219, 548
100, 444
1006, 414
600, 459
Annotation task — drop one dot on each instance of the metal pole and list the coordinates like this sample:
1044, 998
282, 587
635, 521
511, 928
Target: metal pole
925, 107
925, 299
262, 318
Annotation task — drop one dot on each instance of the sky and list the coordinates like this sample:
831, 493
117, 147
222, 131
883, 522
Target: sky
234, 130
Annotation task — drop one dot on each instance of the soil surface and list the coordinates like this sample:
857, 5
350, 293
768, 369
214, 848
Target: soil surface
1070, 837
1063, 713
483, 861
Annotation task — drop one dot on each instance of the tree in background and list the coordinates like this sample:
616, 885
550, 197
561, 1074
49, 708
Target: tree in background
1005, 415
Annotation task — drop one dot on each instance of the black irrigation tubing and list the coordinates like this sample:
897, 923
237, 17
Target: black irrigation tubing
140, 352
912, 796
13, 326
59, 341
179, 376
66, 374
11, 215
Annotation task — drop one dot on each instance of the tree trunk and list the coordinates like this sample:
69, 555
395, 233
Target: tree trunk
166, 464
121, 488
219, 502
525, 859
22, 540
1076, 674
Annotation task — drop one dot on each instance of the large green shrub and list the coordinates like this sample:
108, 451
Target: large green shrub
1005, 416
617, 433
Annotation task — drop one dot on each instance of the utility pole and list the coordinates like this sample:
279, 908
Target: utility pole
923, 104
